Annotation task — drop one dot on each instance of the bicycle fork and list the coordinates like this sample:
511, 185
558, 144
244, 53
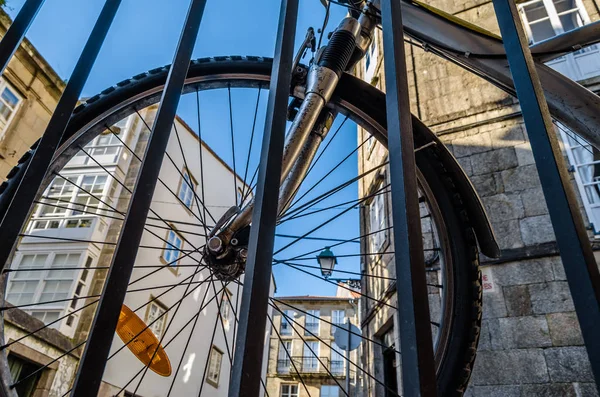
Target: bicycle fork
226, 245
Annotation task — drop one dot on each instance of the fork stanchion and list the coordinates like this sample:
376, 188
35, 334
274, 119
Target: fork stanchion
573, 243
247, 364
15, 33
13, 212
98, 345
418, 371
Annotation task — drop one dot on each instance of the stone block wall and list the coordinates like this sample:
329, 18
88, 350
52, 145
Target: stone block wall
530, 343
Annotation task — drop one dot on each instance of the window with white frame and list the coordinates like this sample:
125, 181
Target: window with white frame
330, 391
310, 361
156, 319
214, 366
337, 360
66, 205
312, 322
283, 357
377, 222
46, 284
585, 161
337, 318
289, 390
371, 60
186, 189
225, 309
9, 103
286, 318
544, 19
173, 247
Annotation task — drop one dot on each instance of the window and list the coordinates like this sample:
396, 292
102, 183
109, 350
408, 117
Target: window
20, 371
288, 390
286, 328
544, 19
283, 357
377, 222
585, 160
337, 360
371, 60
214, 366
105, 148
9, 102
337, 318
310, 361
330, 391
52, 285
312, 322
225, 309
186, 189
153, 318
68, 206
172, 248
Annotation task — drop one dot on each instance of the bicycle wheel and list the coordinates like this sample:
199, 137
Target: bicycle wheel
57, 270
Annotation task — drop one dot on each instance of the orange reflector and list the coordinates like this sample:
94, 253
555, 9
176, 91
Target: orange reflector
144, 345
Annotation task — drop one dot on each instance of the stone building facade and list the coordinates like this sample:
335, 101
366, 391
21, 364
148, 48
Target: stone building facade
303, 359
29, 92
530, 342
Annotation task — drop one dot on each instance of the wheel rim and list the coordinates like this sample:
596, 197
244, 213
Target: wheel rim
231, 82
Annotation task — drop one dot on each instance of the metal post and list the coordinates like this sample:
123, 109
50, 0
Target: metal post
573, 243
15, 33
14, 212
98, 345
348, 358
418, 371
247, 365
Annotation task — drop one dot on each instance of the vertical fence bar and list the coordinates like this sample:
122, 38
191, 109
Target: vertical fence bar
247, 365
573, 243
416, 348
98, 345
17, 198
15, 33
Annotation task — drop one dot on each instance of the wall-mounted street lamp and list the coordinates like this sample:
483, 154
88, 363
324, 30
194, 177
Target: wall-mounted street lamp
327, 261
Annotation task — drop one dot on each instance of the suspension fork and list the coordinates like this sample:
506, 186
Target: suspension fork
310, 126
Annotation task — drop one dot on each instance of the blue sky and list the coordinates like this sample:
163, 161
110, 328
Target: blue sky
144, 35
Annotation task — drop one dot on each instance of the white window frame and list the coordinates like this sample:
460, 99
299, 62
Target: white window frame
572, 142
187, 189
553, 16
215, 363
378, 221
286, 390
42, 277
285, 328
329, 388
336, 319
171, 254
312, 317
283, 355
337, 355
4, 85
158, 327
371, 58
65, 211
310, 360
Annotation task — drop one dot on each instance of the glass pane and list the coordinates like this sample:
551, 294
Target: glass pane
535, 11
10, 98
5, 111
570, 20
542, 31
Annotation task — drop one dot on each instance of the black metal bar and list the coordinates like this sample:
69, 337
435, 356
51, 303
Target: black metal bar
17, 199
100, 339
573, 243
418, 370
15, 33
247, 365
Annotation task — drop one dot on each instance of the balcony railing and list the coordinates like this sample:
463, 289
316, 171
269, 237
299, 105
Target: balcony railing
310, 365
